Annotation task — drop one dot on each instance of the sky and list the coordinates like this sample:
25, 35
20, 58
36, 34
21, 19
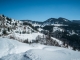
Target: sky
40, 10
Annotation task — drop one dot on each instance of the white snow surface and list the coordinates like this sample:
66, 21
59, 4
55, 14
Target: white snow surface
57, 24
60, 42
36, 24
9, 46
30, 37
14, 50
57, 29
40, 29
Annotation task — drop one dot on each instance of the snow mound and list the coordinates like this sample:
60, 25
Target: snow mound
8, 46
16, 57
40, 54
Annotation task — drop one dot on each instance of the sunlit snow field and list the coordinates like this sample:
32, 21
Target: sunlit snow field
14, 50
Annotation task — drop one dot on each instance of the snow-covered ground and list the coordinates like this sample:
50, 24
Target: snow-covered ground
36, 24
40, 29
57, 29
59, 42
14, 50
29, 37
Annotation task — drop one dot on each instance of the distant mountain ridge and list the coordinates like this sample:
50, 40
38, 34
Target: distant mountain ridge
59, 20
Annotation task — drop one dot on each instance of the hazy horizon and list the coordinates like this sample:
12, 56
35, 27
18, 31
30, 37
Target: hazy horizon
40, 10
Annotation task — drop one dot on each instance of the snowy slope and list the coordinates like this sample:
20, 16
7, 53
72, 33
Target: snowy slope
57, 29
14, 50
60, 54
9, 46
23, 37
60, 42
17, 30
